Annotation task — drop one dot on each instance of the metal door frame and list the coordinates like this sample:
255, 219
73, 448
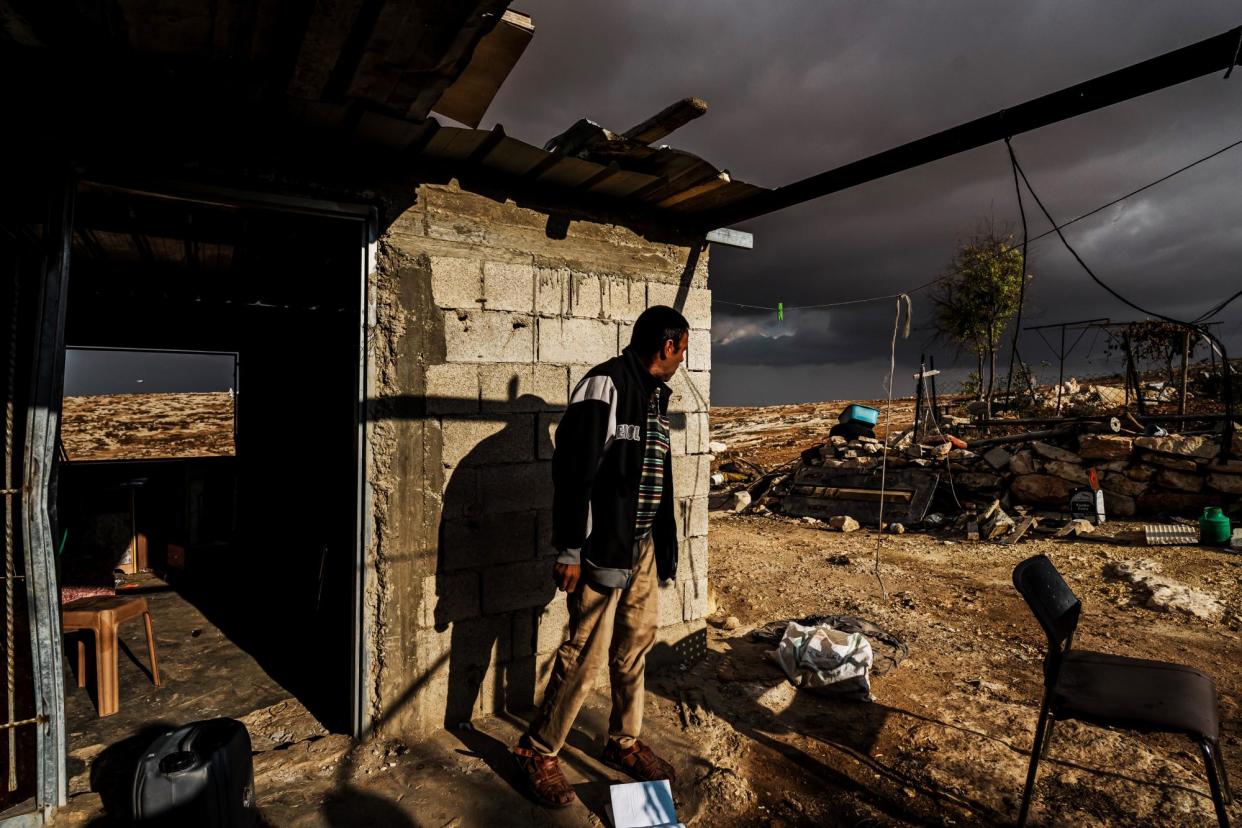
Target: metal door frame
43, 416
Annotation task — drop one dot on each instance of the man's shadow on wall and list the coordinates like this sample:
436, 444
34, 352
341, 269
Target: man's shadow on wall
493, 568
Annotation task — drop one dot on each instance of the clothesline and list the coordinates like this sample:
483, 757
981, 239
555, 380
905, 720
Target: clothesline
784, 307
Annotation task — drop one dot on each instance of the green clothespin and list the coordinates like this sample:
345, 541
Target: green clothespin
780, 311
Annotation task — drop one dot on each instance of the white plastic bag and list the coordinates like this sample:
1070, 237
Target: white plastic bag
830, 661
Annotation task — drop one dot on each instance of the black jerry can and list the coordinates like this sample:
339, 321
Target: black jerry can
197, 775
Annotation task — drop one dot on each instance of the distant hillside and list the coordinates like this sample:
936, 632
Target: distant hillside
148, 426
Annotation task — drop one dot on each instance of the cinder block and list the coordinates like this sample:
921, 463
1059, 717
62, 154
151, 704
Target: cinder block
473, 441
488, 336
692, 558
625, 330
551, 623
690, 391
517, 586
547, 433
551, 291
452, 389
695, 601
691, 475
475, 649
684, 640
520, 682
576, 373
543, 671
543, 534
699, 356
431, 657
551, 385
662, 293
694, 516
672, 604
515, 487
576, 341
523, 636
518, 387
509, 286
697, 432
461, 493
449, 597
697, 307
677, 433
456, 282
487, 540
584, 295
622, 299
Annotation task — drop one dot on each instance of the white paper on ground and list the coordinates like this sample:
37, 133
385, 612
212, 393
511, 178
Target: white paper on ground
644, 805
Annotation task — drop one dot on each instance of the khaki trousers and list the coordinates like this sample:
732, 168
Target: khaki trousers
614, 624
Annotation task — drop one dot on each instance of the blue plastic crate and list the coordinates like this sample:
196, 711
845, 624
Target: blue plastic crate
860, 413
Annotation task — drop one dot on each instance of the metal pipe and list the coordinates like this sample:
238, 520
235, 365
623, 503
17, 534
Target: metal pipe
1018, 438
1215, 54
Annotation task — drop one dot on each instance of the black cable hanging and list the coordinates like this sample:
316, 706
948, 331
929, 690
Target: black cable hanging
1226, 369
1013, 346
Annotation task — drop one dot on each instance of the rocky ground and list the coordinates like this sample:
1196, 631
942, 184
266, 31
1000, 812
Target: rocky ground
145, 426
944, 742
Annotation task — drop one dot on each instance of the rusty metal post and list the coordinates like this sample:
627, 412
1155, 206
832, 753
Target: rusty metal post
1181, 396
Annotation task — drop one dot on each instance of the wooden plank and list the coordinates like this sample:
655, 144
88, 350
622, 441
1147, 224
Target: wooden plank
843, 493
468, 97
667, 120
732, 238
719, 180
1016, 535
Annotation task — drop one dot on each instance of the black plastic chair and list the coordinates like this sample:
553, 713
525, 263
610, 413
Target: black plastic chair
1113, 691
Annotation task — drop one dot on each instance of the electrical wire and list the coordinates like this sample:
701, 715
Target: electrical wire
1056, 228
1133, 193
1017, 328
898, 295
1203, 330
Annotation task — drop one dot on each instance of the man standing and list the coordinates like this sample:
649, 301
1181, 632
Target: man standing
614, 526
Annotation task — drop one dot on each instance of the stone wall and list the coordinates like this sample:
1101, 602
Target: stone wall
485, 315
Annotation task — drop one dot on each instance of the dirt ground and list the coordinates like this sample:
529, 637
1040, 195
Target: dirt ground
944, 742
145, 426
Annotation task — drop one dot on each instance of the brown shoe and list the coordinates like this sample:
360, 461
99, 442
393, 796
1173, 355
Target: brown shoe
544, 778
639, 761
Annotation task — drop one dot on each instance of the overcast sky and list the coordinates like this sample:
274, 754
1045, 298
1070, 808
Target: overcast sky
798, 88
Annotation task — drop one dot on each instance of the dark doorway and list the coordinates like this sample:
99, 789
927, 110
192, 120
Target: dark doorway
258, 531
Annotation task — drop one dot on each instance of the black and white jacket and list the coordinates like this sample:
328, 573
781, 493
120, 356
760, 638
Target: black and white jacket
596, 468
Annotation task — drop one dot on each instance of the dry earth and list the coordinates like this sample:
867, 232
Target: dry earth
945, 741
777, 434
148, 426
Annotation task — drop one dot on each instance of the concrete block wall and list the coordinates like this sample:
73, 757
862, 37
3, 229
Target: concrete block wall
487, 318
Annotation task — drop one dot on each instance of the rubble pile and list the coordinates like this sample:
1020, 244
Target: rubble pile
1139, 475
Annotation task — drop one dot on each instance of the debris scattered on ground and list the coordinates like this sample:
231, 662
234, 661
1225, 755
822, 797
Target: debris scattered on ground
1076, 528
843, 523
1163, 593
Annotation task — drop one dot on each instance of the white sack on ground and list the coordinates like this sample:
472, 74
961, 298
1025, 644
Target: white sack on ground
824, 659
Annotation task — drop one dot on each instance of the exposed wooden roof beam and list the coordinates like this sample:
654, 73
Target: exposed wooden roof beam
667, 120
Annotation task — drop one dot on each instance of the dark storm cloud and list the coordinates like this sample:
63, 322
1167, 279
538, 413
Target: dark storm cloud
795, 89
